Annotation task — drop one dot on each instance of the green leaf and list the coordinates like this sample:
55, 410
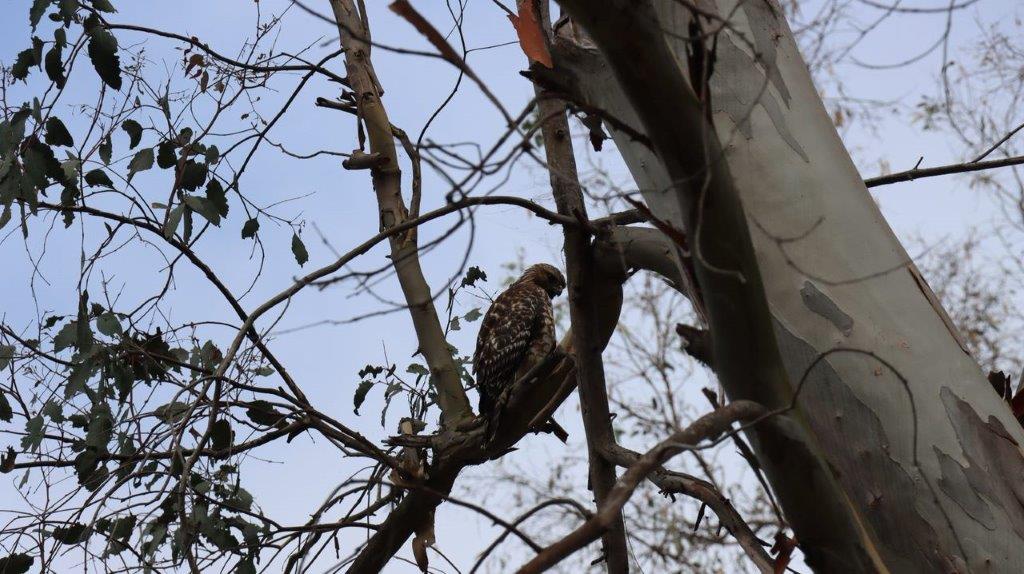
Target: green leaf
74, 533
186, 233
40, 163
473, 274
193, 174
108, 324
84, 337
52, 410
454, 324
78, 379
263, 413
7, 460
250, 228
37, 110
473, 315
70, 167
101, 427
123, 379
103, 5
67, 10
360, 396
210, 356
6, 354
142, 161
134, 130
95, 480
35, 14
103, 53
172, 412
299, 250
173, 220
417, 369
33, 434
215, 195
106, 150
240, 499
37, 49
220, 434
203, 207
25, 60
5, 216
6, 412
98, 177
16, 564
212, 155
54, 65
66, 337
57, 133
245, 567
60, 38
122, 528
165, 156
184, 136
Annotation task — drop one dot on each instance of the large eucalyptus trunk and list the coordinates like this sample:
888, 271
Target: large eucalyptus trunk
922, 463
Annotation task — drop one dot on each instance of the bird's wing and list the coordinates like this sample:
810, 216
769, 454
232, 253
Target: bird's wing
507, 329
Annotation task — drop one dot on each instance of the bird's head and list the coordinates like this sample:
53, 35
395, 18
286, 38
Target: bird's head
548, 277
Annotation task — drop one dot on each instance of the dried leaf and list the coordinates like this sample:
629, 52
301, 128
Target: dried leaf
299, 250
531, 35
783, 550
424, 538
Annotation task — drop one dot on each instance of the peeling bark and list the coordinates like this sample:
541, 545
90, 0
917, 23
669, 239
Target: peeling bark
924, 459
580, 271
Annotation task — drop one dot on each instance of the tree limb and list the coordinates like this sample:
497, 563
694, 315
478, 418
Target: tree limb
708, 426
580, 269
918, 173
387, 183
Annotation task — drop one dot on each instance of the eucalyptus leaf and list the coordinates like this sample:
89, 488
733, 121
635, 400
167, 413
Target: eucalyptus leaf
98, 177
16, 563
35, 14
250, 228
103, 53
217, 197
142, 161
173, 220
108, 324
134, 130
106, 150
57, 133
22, 62
221, 435
54, 65
299, 250
73, 533
193, 174
360, 395
6, 355
165, 155
103, 5
203, 207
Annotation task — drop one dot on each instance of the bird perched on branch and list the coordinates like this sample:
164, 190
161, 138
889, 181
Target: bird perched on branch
518, 331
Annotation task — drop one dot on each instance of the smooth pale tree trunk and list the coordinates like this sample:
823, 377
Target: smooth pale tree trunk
924, 457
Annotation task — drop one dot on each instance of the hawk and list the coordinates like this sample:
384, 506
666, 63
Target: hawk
517, 332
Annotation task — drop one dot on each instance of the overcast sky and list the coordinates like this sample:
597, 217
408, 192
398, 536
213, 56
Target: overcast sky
325, 359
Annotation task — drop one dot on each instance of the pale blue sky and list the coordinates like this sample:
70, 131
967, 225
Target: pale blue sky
325, 359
